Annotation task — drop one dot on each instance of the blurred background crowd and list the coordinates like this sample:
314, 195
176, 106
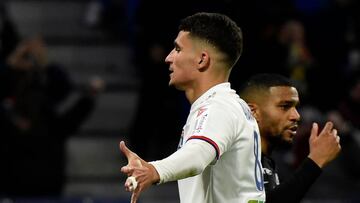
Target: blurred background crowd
76, 77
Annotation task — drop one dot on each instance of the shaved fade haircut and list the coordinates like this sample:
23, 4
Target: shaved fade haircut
218, 30
260, 84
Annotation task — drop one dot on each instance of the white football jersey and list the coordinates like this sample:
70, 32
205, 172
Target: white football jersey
220, 118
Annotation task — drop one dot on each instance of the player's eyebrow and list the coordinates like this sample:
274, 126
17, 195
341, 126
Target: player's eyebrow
176, 44
290, 102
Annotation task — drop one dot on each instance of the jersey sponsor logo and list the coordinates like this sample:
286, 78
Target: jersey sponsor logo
201, 110
271, 179
277, 181
267, 171
200, 123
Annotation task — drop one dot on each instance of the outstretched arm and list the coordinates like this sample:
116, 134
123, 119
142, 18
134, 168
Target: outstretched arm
188, 161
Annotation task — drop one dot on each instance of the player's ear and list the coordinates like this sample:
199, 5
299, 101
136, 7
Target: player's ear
254, 110
203, 60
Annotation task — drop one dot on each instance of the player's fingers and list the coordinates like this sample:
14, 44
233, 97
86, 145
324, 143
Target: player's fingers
314, 131
127, 187
328, 127
131, 184
338, 142
123, 148
127, 170
334, 132
338, 139
135, 196
127, 183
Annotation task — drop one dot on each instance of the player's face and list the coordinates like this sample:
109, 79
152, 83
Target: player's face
278, 116
182, 61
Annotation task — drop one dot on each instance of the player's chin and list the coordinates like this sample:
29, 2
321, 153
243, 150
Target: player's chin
177, 85
286, 142
172, 83
289, 137
289, 140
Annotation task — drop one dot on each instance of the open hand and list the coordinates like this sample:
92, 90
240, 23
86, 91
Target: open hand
325, 146
141, 172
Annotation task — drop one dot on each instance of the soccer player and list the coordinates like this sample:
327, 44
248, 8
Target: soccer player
273, 100
218, 159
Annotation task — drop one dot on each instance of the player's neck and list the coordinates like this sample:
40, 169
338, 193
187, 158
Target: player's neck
199, 88
266, 147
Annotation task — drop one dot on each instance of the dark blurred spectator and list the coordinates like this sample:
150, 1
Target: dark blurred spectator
298, 56
109, 16
326, 23
33, 128
349, 107
158, 121
261, 21
347, 119
9, 36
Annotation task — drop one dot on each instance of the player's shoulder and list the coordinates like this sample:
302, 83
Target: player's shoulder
221, 105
